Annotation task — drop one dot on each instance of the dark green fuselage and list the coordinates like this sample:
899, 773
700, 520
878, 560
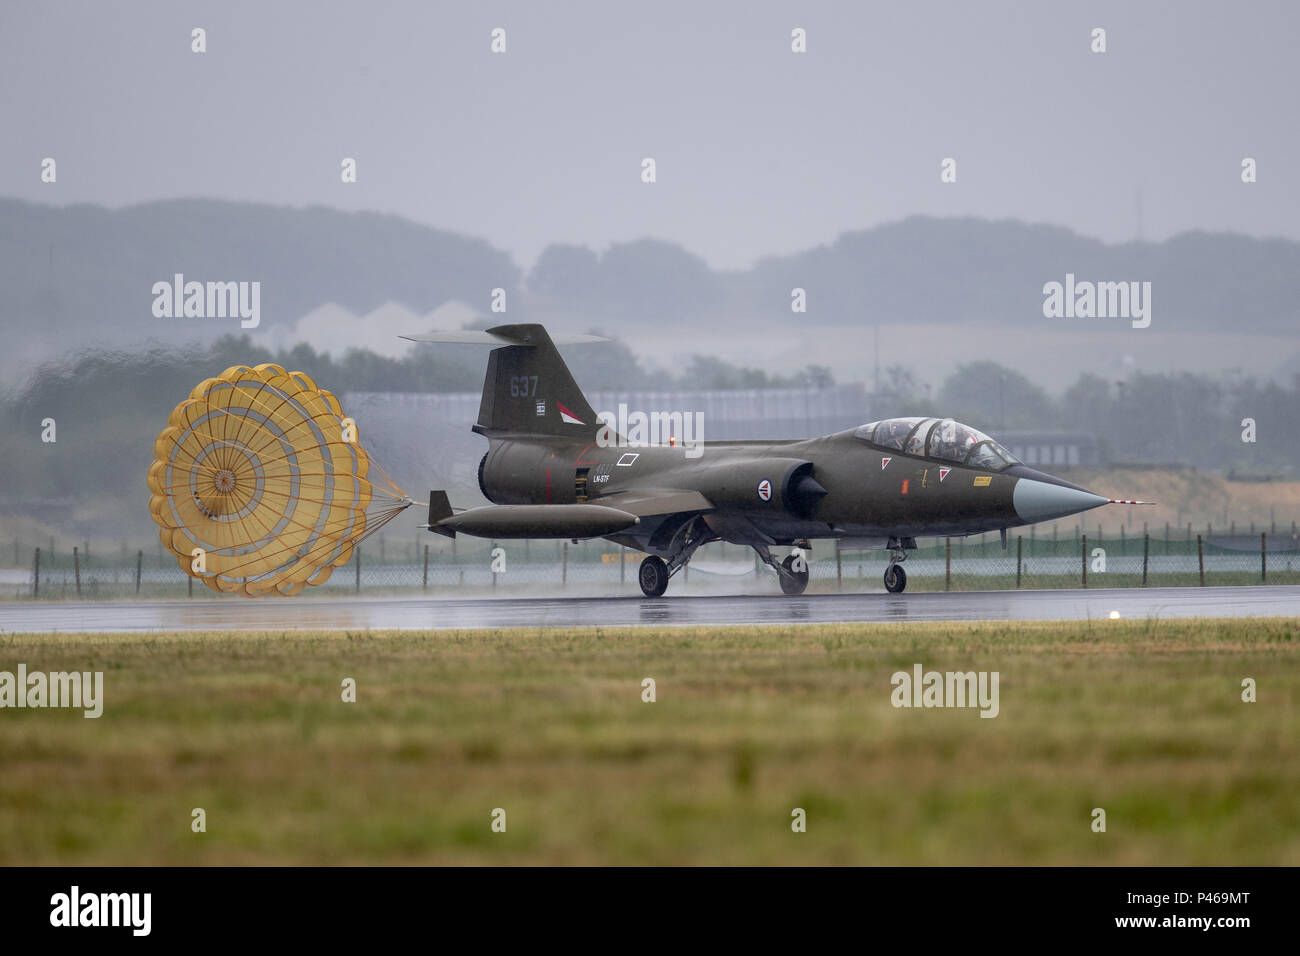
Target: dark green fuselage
869, 493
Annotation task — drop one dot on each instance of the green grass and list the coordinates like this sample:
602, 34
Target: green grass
1141, 718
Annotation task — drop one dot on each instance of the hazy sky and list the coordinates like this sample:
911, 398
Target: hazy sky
759, 150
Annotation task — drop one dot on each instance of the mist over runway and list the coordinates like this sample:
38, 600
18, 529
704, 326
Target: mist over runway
453, 614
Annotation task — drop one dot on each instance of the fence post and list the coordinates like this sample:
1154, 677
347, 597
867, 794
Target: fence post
76, 568
139, 565
1263, 556
36, 574
564, 565
1019, 543
358, 571
839, 566
1200, 559
1146, 552
947, 561
189, 583
425, 585
1084, 552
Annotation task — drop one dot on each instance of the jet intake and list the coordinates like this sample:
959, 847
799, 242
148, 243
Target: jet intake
763, 485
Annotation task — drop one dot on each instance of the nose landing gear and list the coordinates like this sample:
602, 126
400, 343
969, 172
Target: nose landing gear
895, 576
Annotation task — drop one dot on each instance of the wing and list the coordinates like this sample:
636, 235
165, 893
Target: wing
645, 503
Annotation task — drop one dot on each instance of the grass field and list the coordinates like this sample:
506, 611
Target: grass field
1141, 718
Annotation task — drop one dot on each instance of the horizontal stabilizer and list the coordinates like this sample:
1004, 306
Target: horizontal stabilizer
475, 337
439, 508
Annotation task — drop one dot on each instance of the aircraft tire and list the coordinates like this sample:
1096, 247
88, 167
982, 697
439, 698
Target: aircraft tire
653, 577
795, 582
895, 579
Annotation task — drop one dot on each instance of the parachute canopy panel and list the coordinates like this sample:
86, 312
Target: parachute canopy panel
260, 486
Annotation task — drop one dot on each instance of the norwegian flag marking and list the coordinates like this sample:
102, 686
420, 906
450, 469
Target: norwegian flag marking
567, 416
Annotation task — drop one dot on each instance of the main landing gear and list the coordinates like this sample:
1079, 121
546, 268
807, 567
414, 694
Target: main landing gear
653, 577
794, 574
793, 571
655, 571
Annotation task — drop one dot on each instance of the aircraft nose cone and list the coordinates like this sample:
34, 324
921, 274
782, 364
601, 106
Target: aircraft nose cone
1041, 500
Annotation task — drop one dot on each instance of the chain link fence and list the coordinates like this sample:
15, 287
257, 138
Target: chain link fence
474, 567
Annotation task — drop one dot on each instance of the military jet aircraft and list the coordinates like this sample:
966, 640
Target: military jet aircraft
553, 470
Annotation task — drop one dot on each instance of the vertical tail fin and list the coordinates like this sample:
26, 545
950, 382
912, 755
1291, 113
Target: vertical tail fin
528, 389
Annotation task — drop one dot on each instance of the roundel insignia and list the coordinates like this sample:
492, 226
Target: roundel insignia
765, 490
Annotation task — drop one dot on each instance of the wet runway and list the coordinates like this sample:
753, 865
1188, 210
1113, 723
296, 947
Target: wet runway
443, 614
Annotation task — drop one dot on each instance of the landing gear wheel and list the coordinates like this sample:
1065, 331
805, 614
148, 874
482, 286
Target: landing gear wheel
895, 579
794, 582
653, 577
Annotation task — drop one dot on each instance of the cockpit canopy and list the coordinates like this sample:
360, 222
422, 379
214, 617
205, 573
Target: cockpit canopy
941, 439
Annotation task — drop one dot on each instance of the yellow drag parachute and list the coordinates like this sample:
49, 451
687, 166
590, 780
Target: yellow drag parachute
259, 485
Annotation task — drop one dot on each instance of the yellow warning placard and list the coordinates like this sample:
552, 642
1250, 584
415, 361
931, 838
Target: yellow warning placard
627, 557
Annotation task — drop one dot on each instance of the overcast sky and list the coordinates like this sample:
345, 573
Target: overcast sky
760, 151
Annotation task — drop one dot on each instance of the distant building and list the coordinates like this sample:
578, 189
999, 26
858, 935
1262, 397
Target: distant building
423, 440
728, 414
1052, 448
746, 413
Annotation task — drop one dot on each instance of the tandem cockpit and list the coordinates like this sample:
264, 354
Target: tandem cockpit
941, 439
